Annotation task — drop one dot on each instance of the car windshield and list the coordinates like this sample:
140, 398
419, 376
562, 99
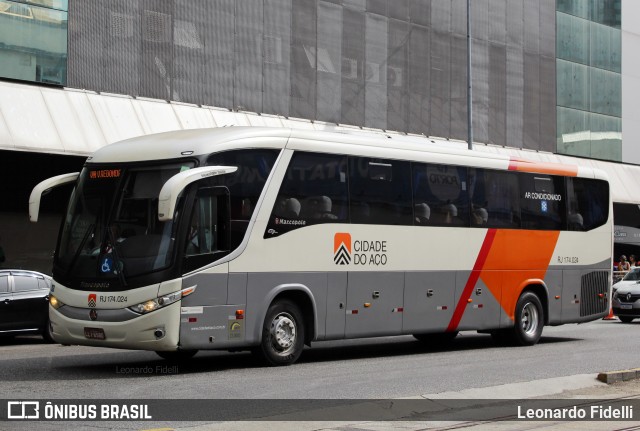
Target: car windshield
633, 275
111, 230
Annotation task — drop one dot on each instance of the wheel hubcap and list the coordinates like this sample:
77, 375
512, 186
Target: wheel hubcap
529, 318
283, 333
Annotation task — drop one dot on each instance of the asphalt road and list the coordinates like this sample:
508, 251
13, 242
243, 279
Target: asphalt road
368, 368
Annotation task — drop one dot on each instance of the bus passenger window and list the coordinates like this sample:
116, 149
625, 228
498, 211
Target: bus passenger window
588, 204
542, 201
380, 191
313, 191
440, 195
495, 202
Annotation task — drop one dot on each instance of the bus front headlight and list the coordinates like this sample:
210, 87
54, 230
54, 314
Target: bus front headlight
162, 301
55, 302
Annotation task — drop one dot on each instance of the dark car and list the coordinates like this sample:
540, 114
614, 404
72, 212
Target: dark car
24, 303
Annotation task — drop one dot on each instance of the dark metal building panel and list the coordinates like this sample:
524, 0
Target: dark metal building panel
480, 19
329, 59
398, 76
277, 54
219, 53
303, 65
353, 65
497, 20
531, 101
497, 94
85, 35
419, 80
189, 55
459, 18
397, 65
439, 85
375, 95
480, 65
420, 12
547, 32
515, 96
531, 26
458, 95
248, 56
515, 23
157, 49
441, 16
547, 104
122, 41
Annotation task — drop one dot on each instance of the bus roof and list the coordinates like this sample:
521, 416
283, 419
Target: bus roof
196, 142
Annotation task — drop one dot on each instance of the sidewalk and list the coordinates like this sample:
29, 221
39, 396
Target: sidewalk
582, 388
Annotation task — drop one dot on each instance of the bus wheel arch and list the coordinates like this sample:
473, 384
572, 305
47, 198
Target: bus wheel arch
288, 324
283, 333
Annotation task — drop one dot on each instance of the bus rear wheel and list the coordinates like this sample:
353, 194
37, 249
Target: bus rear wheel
529, 321
282, 334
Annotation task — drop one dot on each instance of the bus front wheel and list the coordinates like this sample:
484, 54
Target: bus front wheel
282, 334
529, 320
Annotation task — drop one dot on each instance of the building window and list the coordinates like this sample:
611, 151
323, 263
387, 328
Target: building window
34, 40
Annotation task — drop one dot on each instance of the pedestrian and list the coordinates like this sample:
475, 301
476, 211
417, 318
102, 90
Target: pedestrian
632, 261
624, 264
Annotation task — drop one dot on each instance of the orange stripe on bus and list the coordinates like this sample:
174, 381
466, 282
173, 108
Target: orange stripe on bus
505, 272
543, 168
473, 279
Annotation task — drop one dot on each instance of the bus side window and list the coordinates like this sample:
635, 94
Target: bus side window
542, 201
495, 201
380, 191
588, 205
440, 195
313, 191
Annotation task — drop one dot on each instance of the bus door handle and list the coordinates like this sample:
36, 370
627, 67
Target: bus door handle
479, 291
376, 294
429, 293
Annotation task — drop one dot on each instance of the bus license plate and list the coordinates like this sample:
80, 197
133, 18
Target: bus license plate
94, 333
626, 306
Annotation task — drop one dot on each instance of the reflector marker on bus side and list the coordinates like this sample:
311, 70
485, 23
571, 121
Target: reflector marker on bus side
352, 311
478, 306
398, 310
442, 307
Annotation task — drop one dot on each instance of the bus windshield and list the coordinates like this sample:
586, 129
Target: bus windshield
111, 231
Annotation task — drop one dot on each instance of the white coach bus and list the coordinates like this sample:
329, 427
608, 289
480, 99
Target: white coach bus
269, 239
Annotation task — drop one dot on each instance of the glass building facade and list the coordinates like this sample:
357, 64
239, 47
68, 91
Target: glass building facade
589, 82
33, 40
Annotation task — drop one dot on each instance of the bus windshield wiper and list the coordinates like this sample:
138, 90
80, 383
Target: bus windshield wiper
80, 247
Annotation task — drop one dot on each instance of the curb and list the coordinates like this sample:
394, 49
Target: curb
619, 376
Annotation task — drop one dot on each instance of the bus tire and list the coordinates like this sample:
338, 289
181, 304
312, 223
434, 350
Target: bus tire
282, 334
529, 320
177, 355
436, 339
625, 319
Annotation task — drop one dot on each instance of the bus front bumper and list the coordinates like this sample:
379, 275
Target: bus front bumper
156, 331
